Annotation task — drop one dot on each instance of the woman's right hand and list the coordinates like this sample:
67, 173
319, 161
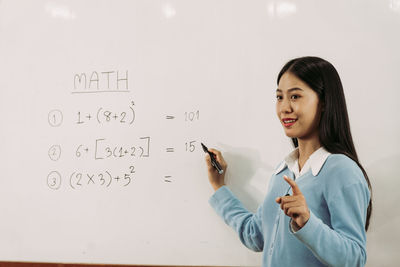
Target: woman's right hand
216, 180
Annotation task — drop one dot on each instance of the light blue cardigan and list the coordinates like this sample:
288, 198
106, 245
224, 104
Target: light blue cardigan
334, 235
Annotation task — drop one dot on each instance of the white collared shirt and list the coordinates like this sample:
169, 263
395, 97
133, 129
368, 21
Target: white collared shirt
315, 162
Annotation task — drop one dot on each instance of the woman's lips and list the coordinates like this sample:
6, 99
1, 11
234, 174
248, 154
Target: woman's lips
288, 122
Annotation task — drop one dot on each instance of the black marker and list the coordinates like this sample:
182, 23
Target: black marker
214, 162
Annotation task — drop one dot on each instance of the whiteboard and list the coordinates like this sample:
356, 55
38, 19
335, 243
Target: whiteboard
104, 104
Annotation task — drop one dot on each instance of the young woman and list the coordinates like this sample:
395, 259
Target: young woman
318, 205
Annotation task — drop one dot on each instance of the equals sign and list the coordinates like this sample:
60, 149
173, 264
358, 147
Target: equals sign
166, 179
170, 117
170, 149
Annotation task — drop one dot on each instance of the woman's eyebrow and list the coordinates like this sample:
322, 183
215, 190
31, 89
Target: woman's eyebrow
290, 90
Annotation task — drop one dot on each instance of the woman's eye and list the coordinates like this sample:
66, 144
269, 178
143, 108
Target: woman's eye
294, 96
278, 97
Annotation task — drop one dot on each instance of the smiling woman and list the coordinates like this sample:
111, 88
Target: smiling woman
324, 221
331, 119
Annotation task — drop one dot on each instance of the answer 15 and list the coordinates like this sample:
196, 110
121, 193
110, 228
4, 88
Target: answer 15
190, 147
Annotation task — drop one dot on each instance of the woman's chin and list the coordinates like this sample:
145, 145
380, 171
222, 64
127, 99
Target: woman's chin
290, 134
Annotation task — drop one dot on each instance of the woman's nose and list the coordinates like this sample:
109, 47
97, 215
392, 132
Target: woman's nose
285, 106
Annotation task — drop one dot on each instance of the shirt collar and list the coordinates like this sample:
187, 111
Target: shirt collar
315, 161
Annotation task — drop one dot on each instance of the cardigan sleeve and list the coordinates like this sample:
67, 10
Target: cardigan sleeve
344, 242
247, 225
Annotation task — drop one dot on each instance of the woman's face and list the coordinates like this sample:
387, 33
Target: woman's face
297, 107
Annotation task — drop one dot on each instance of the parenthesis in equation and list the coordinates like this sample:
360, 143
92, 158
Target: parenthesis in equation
133, 115
70, 180
98, 115
141, 153
115, 155
110, 178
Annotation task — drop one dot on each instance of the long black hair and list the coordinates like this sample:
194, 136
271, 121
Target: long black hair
334, 127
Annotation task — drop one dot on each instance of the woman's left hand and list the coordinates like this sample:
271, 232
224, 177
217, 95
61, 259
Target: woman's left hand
294, 206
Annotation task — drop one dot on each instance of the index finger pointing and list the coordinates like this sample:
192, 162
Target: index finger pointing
295, 187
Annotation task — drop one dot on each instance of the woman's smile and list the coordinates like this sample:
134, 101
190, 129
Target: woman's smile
288, 122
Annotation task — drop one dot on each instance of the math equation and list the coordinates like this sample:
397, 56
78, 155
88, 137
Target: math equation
101, 150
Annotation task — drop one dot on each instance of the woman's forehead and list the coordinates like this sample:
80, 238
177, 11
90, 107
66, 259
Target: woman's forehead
290, 83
